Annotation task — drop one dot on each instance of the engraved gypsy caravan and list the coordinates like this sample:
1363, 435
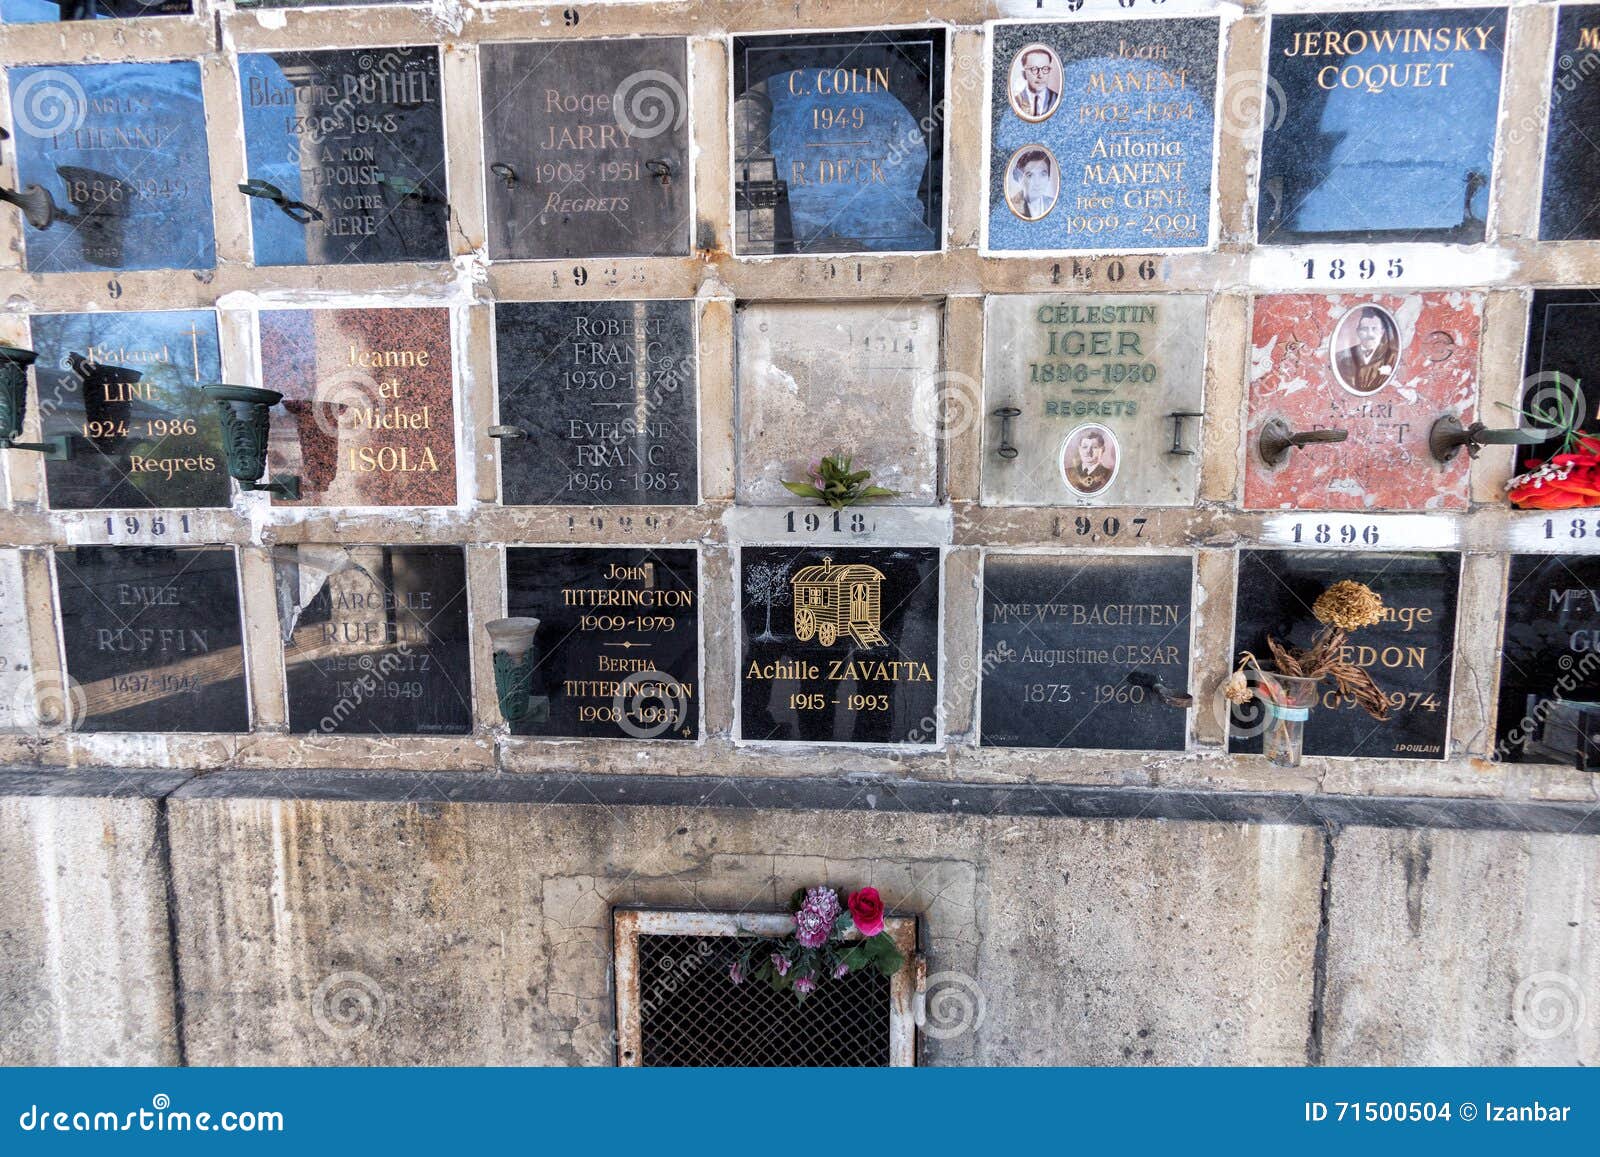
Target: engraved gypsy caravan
830, 601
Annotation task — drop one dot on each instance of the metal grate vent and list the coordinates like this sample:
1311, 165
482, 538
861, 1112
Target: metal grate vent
677, 1006
691, 1012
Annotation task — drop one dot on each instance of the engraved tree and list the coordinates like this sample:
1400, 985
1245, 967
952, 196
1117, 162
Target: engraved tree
768, 584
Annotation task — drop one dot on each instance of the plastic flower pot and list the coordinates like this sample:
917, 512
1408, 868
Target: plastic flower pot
1287, 701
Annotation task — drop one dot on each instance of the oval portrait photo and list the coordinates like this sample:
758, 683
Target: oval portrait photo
1035, 83
1365, 349
1089, 459
1033, 182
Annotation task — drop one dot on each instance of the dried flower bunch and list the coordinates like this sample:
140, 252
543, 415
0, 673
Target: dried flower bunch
832, 481
1344, 607
817, 949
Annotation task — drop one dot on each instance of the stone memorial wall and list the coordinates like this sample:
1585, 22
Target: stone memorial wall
1151, 320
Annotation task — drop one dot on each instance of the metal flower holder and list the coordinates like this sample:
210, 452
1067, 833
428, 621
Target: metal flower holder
14, 363
515, 660
245, 424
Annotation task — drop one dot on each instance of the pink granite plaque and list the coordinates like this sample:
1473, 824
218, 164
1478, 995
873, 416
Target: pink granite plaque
368, 416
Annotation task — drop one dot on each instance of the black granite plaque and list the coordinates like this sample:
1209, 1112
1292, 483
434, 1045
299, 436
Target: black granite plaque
124, 390
1549, 709
838, 141
1380, 125
375, 639
587, 145
603, 396
1086, 653
1561, 369
153, 638
617, 653
840, 645
357, 136
1571, 208
1408, 654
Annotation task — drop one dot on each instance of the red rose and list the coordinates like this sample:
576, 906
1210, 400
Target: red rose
866, 909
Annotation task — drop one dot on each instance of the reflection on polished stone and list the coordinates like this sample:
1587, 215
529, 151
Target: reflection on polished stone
375, 639
153, 638
125, 389
121, 149
356, 135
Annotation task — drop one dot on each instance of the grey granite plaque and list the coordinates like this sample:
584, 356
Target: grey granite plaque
597, 403
587, 146
1093, 401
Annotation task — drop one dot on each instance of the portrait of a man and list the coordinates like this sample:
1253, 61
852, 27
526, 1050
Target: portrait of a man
1032, 182
1035, 83
1366, 349
1089, 459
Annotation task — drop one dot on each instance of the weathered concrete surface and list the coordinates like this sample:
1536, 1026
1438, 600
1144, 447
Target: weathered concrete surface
85, 972
1463, 948
321, 932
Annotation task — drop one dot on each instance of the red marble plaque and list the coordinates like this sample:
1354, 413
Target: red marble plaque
1383, 367
368, 416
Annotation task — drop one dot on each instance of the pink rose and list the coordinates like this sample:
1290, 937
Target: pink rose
866, 909
781, 963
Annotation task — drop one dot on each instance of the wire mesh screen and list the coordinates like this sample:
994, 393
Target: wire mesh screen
692, 1014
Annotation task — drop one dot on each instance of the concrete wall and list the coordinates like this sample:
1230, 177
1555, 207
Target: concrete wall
356, 927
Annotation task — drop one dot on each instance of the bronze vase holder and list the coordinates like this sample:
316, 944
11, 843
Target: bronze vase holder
246, 422
14, 363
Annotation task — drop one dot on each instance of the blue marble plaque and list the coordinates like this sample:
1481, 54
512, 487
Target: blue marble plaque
125, 391
51, 11
355, 136
121, 149
838, 141
1571, 209
1101, 135
1379, 126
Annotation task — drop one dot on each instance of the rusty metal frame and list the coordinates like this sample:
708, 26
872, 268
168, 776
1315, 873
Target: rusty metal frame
628, 924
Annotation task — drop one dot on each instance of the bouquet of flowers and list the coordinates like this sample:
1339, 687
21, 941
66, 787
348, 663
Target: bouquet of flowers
817, 949
1569, 478
1287, 686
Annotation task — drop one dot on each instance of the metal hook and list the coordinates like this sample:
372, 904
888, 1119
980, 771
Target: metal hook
1276, 440
1448, 436
505, 172
1177, 417
294, 210
1166, 694
1005, 413
507, 432
660, 170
